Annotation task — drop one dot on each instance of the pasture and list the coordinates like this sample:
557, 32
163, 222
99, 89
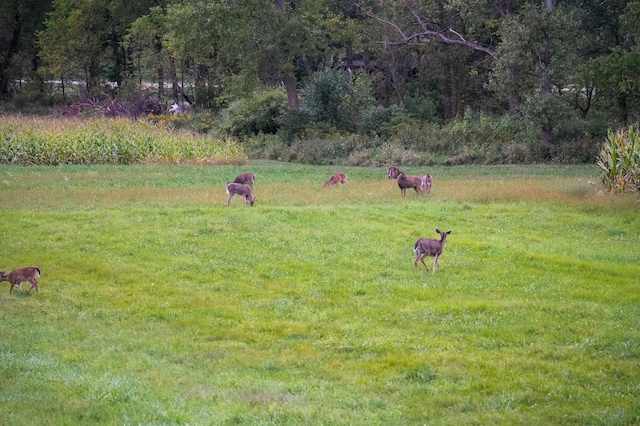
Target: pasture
159, 304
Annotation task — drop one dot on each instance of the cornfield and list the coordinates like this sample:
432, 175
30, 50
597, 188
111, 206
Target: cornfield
55, 141
619, 160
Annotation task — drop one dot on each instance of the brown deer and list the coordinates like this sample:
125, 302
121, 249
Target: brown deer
17, 276
393, 172
405, 182
246, 179
425, 247
239, 189
338, 177
427, 181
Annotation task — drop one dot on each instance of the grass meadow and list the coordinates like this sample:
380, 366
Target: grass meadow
159, 304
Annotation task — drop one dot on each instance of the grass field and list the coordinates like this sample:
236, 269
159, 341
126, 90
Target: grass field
159, 304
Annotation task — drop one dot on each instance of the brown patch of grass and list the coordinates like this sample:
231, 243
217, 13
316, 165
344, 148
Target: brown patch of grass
552, 190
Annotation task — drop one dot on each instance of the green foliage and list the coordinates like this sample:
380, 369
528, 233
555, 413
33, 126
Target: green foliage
99, 141
475, 139
336, 99
619, 160
263, 112
615, 77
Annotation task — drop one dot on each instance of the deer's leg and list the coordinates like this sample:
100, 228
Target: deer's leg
34, 284
229, 200
422, 257
436, 262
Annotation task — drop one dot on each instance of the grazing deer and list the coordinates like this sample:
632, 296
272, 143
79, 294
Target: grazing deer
427, 181
239, 189
425, 247
393, 172
17, 276
246, 179
405, 182
338, 177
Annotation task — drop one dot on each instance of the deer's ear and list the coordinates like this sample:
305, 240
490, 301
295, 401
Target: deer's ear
437, 230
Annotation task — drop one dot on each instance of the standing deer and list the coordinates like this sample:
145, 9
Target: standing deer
17, 276
427, 181
246, 179
239, 189
338, 177
405, 182
425, 247
393, 172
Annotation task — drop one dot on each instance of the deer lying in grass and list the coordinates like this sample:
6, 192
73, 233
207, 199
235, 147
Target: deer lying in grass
17, 276
246, 179
427, 181
338, 177
392, 172
425, 247
239, 189
405, 182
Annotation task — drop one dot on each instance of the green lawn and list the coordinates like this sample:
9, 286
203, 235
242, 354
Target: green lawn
159, 304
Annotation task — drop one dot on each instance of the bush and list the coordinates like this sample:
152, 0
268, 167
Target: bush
336, 99
619, 160
263, 112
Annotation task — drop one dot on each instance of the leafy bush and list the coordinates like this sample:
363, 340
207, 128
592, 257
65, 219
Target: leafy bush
264, 112
619, 160
336, 99
107, 141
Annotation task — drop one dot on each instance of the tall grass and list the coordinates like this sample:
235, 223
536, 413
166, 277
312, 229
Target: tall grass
161, 305
55, 141
619, 160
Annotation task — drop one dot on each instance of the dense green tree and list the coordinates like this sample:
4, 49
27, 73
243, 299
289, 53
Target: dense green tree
610, 78
82, 39
19, 22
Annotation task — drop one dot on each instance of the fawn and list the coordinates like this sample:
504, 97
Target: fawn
17, 276
425, 247
246, 179
338, 177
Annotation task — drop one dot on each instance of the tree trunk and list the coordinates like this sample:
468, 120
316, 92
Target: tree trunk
292, 91
173, 75
6, 58
289, 79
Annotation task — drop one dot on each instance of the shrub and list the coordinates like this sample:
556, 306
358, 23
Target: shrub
263, 112
334, 98
619, 160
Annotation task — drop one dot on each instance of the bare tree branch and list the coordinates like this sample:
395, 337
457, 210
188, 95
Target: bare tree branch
427, 35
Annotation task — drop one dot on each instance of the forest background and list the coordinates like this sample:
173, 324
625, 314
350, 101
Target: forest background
336, 81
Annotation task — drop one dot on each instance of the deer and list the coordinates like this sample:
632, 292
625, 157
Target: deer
338, 177
17, 276
239, 189
425, 247
393, 172
405, 182
246, 179
427, 181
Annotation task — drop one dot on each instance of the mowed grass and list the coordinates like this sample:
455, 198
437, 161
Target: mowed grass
161, 305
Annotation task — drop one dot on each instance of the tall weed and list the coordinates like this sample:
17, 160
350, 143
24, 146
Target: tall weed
619, 160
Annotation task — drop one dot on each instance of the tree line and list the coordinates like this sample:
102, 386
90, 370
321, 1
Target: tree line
563, 69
